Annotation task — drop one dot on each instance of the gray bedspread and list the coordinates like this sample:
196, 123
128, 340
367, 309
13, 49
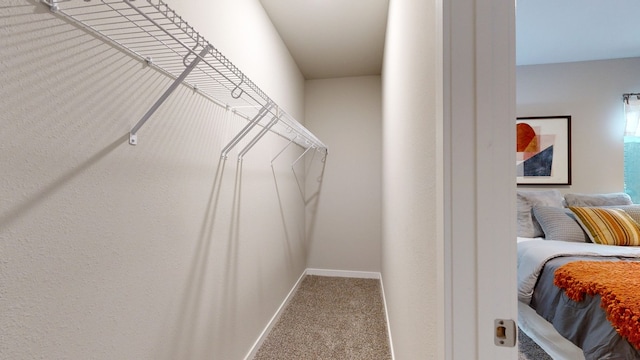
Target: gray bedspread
583, 323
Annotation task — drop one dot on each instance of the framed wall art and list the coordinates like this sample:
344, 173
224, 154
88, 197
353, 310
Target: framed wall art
543, 150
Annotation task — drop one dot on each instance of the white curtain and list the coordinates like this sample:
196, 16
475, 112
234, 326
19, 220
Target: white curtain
632, 114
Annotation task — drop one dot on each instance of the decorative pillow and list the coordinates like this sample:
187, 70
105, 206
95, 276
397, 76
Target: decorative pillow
527, 199
559, 224
608, 226
619, 198
632, 210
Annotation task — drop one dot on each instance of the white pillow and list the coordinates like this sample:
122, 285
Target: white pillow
607, 199
527, 199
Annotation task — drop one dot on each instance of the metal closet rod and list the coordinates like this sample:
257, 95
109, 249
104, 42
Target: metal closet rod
153, 32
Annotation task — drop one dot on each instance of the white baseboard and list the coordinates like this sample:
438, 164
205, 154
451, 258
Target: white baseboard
319, 272
386, 317
343, 273
274, 319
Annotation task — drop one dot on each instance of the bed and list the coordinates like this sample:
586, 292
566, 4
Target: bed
561, 240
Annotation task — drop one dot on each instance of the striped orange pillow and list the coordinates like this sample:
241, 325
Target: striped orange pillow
608, 226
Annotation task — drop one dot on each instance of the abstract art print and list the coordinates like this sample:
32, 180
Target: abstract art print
543, 150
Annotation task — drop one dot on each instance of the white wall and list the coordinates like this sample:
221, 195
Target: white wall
409, 180
591, 92
346, 114
158, 251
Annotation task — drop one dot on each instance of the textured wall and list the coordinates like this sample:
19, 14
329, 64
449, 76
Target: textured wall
347, 115
410, 173
158, 251
591, 92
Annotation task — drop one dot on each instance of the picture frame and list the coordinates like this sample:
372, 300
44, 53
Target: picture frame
543, 150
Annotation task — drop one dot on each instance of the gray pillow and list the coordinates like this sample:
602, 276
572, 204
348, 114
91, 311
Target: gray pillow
527, 199
559, 224
619, 198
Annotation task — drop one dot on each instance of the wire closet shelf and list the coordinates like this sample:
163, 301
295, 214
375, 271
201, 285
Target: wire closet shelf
151, 31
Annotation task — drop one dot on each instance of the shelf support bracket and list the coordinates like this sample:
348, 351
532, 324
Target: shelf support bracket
283, 149
133, 138
53, 4
300, 157
257, 137
256, 119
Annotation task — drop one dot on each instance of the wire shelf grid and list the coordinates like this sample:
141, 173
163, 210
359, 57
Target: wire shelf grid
151, 31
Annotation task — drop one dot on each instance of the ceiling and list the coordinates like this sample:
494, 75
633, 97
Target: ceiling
332, 38
553, 31
338, 38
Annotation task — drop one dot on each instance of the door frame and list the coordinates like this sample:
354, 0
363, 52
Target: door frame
479, 187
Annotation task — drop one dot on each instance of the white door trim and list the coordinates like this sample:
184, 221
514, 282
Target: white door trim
479, 265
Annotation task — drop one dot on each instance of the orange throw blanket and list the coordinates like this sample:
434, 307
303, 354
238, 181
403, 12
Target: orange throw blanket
617, 283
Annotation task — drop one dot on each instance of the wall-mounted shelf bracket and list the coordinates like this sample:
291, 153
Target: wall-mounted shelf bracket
53, 4
133, 138
283, 149
301, 156
256, 119
257, 138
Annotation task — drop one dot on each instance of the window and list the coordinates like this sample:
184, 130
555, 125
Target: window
632, 146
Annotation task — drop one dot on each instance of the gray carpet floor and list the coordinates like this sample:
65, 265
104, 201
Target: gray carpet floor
342, 318
330, 318
529, 350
